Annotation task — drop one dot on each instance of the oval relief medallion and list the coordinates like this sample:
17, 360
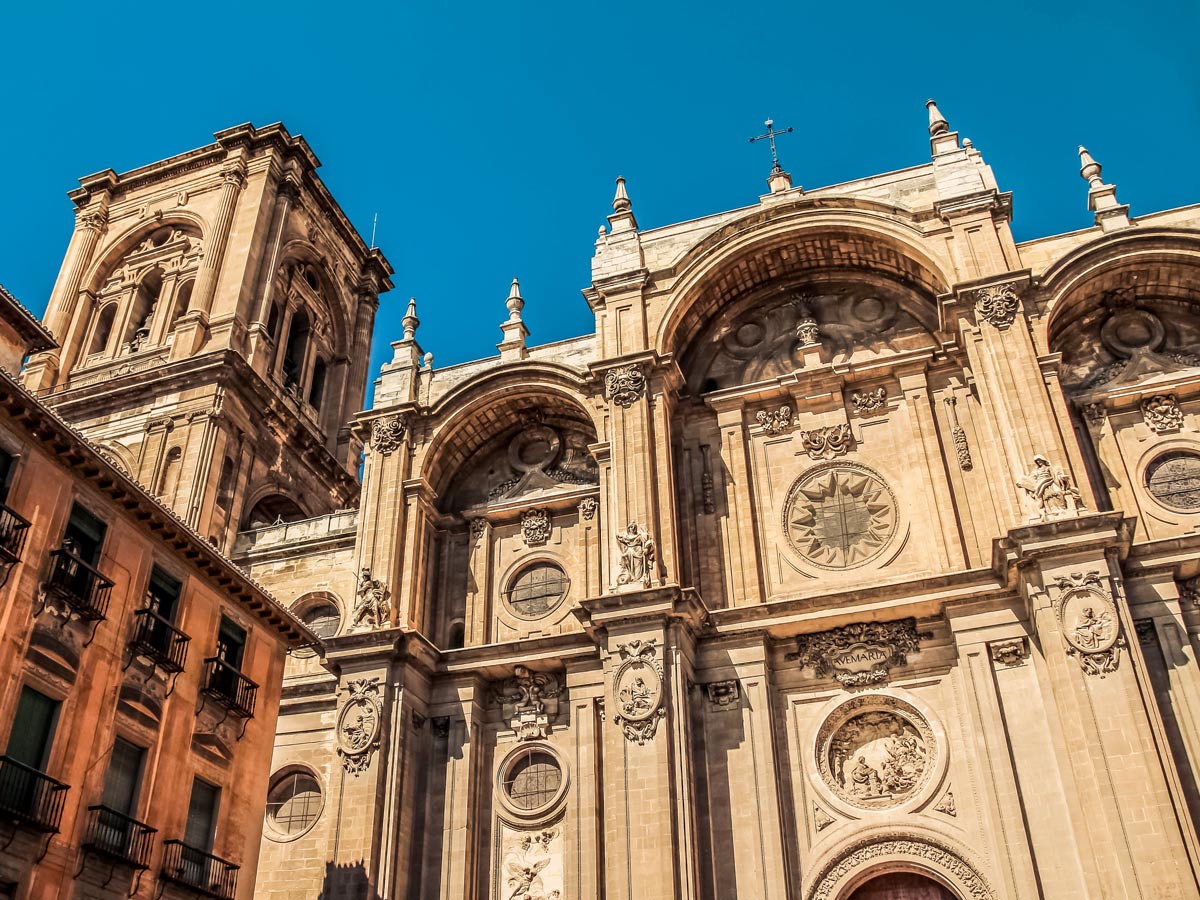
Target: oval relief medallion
876, 752
839, 516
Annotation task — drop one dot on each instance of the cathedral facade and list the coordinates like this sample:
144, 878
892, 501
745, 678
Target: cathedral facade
855, 555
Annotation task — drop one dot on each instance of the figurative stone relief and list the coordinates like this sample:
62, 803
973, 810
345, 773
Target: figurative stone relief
386, 434
588, 507
860, 654
529, 702
924, 852
535, 527
372, 609
624, 386
1162, 413
946, 805
531, 866
358, 725
774, 421
1087, 616
839, 516
875, 752
1050, 490
828, 441
637, 556
997, 304
768, 338
638, 691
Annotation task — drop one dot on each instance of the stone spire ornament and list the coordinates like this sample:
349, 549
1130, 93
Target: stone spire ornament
410, 323
1102, 198
622, 218
515, 332
941, 138
937, 122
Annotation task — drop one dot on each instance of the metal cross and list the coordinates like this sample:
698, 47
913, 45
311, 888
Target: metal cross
771, 135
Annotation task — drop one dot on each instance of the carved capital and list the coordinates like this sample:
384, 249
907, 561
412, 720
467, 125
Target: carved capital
535, 527
91, 220
997, 304
588, 507
1012, 652
776, 420
625, 386
828, 441
386, 434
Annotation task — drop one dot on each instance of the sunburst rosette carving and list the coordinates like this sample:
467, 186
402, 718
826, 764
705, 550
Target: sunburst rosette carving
839, 516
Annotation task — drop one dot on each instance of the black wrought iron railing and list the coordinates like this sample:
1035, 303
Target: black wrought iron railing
202, 872
32, 798
13, 530
159, 640
78, 585
229, 687
118, 837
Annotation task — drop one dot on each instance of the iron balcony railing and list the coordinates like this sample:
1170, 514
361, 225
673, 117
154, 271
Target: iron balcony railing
13, 530
159, 640
32, 798
118, 837
198, 871
229, 687
78, 585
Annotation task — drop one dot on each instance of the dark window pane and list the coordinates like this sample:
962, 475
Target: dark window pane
33, 729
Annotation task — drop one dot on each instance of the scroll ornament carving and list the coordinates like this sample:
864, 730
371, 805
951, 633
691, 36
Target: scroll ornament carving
725, 694
638, 691
869, 401
961, 449
372, 609
588, 507
637, 555
1012, 652
1051, 491
1087, 616
358, 725
828, 441
860, 654
624, 386
386, 434
997, 304
535, 527
775, 421
529, 702
969, 883
1162, 413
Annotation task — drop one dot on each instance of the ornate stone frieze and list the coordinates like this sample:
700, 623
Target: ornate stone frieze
869, 401
535, 527
860, 654
876, 752
828, 441
724, 694
927, 852
638, 691
959, 435
1011, 652
529, 702
1162, 413
997, 304
625, 386
1087, 617
774, 421
358, 724
372, 609
637, 556
839, 492
386, 434
1051, 491
588, 507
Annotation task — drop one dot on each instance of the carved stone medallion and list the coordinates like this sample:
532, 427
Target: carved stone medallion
638, 691
997, 304
1162, 413
625, 385
1087, 616
860, 654
386, 434
529, 702
875, 752
535, 526
839, 516
358, 725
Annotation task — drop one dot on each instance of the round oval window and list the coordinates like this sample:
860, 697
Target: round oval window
537, 590
1173, 479
294, 803
323, 620
532, 780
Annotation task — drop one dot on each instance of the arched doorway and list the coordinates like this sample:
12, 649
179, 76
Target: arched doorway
901, 886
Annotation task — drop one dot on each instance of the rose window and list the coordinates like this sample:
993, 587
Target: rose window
1174, 480
839, 517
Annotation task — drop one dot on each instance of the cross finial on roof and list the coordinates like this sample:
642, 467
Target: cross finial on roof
770, 136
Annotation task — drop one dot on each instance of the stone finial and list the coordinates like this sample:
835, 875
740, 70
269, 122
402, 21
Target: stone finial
515, 332
515, 302
622, 218
1111, 215
937, 122
410, 322
1089, 169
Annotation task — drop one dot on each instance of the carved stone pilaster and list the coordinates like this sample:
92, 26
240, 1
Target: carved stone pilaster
588, 507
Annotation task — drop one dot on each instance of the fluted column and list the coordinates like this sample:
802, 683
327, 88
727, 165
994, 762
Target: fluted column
234, 177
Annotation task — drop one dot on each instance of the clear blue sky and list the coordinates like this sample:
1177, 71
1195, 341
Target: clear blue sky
487, 136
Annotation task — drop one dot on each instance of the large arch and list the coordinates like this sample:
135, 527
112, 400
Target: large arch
861, 859
119, 248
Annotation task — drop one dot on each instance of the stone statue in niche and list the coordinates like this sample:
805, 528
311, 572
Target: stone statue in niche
372, 610
1051, 491
637, 555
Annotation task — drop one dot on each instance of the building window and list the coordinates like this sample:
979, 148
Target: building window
33, 729
323, 620
293, 803
1173, 479
537, 590
123, 782
532, 779
202, 816
84, 535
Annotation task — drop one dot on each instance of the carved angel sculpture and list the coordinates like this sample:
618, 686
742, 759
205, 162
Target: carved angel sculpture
1051, 489
637, 555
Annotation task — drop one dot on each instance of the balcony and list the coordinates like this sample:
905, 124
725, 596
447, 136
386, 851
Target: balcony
13, 529
117, 836
30, 797
229, 688
78, 585
159, 641
197, 871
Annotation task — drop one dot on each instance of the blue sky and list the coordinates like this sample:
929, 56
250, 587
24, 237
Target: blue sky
487, 137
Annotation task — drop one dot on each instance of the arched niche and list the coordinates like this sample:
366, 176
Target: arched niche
936, 860
273, 509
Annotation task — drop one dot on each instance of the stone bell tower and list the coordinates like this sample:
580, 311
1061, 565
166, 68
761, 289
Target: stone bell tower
214, 312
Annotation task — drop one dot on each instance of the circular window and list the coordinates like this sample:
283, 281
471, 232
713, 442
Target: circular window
840, 516
1174, 480
537, 590
323, 619
531, 781
293, 804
